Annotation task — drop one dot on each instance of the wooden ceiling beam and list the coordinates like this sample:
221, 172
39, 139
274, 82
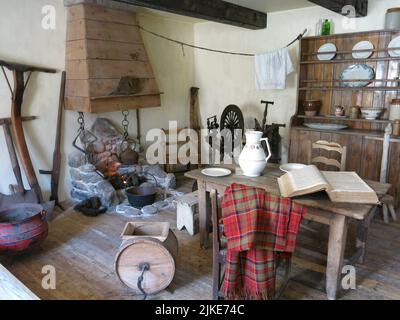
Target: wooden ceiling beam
360, 6
213, 10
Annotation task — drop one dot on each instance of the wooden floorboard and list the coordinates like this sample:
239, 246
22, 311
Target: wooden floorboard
82, 250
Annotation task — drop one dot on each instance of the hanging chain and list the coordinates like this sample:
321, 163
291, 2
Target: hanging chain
125, 125
81, 122
82, 132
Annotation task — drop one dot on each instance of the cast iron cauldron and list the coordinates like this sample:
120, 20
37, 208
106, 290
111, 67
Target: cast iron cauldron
22, 227
140, 197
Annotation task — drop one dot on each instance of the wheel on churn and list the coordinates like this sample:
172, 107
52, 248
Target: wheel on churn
158, 255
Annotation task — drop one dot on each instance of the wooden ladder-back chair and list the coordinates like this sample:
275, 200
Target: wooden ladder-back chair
388, 202
171, 139
328, 146
219, 252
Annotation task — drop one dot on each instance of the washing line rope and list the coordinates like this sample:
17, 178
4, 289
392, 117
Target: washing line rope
183, 44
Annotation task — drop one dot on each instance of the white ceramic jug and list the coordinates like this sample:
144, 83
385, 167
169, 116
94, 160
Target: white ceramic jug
252, 160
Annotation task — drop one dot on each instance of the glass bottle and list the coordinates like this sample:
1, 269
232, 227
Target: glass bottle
318, 28
326, 28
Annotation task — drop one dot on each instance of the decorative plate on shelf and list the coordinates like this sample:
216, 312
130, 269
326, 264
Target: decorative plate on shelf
288, 167
363, 45
357, 72
395, 43
327, 47
216, 172
326, 126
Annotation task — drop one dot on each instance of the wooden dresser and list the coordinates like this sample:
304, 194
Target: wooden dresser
320, 80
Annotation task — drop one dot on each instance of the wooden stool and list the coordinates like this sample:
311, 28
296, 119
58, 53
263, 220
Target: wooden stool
187, 212
388, 206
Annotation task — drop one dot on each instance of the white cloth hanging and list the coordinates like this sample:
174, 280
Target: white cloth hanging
272, 68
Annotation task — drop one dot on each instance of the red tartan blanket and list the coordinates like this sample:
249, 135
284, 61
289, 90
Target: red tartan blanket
258, 226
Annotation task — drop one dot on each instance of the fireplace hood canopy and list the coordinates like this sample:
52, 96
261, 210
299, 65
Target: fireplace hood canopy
106, 62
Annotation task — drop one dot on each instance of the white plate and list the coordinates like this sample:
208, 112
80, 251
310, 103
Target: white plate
292, 167
325, 126
161, 205
395, 43
357, 72
216, 172
327, 47
149, 210
363, 45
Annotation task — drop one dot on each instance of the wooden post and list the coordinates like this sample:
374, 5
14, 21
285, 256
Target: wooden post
203, 214
216, 10
336, 246
360, 6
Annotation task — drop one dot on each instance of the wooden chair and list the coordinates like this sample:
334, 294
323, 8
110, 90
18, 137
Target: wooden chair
328, 146
388, 202
219, 252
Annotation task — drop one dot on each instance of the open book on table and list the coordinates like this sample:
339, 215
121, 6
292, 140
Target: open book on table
340, 186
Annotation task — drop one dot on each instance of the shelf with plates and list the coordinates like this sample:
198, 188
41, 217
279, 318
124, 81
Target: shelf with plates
356, 61
349, 89
363, 70
348, 81
350, 51
344, 119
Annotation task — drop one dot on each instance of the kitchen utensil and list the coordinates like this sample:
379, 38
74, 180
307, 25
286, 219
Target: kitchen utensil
363, 45
22, 227
339, 111
216, 172
392, 20
311, 107
371, 113
252, 160
395, 43
394, 109
326, 126
354, 112
357, 72
140, 197
327, 47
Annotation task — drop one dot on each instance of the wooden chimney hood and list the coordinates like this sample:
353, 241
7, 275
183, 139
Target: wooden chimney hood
106, 62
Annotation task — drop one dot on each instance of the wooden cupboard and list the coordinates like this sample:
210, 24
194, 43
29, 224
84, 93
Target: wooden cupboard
320, 80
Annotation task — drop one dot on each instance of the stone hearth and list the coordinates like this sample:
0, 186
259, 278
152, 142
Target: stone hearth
97, 177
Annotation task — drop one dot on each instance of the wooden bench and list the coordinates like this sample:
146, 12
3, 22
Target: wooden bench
187, 212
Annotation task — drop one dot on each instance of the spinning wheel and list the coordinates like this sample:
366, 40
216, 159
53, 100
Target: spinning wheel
231, 119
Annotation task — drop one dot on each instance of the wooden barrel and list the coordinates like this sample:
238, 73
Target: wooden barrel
160, 255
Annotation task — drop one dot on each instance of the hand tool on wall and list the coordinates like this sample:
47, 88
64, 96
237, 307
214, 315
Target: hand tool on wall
194, 120
21, 195
55, 172
18, 71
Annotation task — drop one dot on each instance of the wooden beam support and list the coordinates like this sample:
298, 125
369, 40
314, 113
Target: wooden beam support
8, 120
360, 6
213, 10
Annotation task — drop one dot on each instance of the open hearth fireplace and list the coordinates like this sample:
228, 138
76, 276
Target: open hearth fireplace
106, 164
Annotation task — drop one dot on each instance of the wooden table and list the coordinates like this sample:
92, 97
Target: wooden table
13, 289
320, 209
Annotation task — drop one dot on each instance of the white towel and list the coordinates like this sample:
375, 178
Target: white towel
272, 69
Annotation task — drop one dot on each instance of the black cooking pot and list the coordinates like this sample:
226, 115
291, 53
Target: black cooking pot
140, 197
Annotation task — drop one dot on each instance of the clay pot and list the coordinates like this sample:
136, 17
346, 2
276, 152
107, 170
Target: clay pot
311, 107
